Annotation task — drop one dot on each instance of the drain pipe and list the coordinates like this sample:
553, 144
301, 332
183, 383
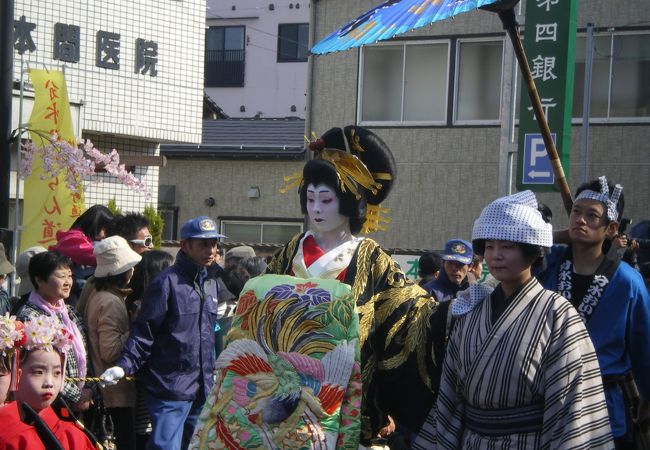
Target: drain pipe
310, 70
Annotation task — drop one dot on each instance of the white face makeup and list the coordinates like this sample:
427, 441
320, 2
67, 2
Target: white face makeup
323, 209
40, 379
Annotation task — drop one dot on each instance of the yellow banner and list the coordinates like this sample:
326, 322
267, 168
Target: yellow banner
49, 205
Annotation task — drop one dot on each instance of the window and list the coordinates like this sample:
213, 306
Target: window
263, 231
293, 39
619, 80
224, 56
404, 83
478, 81
170, 222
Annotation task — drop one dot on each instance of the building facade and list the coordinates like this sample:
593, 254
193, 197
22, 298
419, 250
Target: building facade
436, 96
440, 97
256, 57
235, 176
134, 73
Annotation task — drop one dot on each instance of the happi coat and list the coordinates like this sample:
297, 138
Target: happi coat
616, 310
401, 333
530, 380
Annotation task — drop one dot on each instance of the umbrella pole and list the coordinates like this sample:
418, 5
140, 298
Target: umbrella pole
511, 26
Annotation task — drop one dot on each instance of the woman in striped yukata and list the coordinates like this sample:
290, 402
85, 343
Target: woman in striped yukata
520, 370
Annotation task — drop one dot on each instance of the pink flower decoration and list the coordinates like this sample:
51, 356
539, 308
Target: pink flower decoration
77, 164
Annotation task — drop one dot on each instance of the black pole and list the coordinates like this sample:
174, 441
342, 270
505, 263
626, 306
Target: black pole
6, 87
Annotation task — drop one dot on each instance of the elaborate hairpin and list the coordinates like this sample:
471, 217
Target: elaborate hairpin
609, 199
351, 171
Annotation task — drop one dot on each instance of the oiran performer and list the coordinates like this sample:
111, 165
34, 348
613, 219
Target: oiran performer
400, 328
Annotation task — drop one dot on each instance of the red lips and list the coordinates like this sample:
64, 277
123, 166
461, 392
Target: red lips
46, 397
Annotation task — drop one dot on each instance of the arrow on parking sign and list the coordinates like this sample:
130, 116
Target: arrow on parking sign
534, 174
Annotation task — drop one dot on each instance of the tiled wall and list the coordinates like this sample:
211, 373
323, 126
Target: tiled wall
122, 109
165, 107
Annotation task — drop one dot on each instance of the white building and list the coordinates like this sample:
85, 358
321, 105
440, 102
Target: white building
134, 74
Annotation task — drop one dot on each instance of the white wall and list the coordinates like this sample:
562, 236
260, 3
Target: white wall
167, 107
131, 112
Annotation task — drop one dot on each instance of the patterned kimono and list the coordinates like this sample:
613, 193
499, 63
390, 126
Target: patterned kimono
401, 331
530, 380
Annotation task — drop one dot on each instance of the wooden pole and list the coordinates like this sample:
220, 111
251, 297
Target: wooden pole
511, 26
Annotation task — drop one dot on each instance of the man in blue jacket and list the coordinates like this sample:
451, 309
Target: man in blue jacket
456, 260
172, 339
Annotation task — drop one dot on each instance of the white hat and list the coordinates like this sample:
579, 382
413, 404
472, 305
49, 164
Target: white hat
114, 256
22, 269
514, 218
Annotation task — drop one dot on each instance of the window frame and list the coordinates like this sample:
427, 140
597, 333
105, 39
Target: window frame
464, 122
173, 227
618, 119
238, 220
242, 77
402, 123
296, 59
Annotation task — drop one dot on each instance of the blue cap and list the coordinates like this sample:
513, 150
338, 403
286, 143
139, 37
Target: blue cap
458, 250
201, 227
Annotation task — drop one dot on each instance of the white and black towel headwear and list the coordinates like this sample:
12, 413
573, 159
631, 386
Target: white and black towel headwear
514, 218
610, 199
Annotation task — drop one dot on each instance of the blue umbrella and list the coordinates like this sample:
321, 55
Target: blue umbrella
394, 17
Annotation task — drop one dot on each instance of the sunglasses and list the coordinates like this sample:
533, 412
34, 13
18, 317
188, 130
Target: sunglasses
146, 242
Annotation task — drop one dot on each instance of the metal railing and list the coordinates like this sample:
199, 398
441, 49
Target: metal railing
224, 68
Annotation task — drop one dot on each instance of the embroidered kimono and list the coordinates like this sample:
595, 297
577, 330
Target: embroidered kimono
530, 380
290, 375
616, 310
401, 332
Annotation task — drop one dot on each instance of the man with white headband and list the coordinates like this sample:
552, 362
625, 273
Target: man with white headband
520, 370
611, 299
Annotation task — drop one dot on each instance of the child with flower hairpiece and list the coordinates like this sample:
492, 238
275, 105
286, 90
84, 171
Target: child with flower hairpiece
29, 422
611, 299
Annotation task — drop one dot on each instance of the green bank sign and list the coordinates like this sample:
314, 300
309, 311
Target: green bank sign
549, 42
